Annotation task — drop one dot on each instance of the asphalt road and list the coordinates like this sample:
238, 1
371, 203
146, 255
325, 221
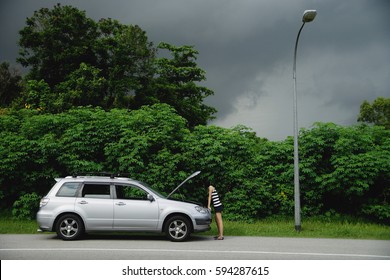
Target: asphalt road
137, 247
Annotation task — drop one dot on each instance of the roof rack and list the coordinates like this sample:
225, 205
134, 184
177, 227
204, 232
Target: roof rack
109, 174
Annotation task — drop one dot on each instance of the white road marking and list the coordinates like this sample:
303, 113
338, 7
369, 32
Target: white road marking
198, 251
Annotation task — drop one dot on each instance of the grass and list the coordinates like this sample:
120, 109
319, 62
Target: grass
9, 225
270, 227
311, 228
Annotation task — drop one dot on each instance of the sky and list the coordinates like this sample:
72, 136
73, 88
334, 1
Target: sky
246, 48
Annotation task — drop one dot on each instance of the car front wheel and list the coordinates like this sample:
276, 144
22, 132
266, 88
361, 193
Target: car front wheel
178, 228
69, 227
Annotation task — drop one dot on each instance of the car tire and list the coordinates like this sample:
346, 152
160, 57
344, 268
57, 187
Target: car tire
178, 228
69, 227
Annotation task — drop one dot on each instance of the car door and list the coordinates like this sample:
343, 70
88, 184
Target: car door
133, 210
95, 204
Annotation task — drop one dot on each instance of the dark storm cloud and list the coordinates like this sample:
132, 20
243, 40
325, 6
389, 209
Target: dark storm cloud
246, 49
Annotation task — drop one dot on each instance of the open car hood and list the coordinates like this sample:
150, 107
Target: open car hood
188, 178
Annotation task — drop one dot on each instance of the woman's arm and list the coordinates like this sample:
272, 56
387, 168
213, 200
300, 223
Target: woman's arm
211, 188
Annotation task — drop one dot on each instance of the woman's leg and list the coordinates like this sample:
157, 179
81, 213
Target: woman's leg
218, 219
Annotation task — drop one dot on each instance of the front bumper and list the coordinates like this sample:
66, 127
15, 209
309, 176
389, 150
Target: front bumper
202, 224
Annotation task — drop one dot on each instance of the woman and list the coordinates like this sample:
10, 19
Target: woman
218, 207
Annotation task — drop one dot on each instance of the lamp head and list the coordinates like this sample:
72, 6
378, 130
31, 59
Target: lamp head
309, 15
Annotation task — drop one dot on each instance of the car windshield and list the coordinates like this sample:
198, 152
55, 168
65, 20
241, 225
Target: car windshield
151, 189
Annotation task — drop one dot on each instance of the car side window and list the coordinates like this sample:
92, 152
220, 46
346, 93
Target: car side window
91, 190
130, 192
68, 190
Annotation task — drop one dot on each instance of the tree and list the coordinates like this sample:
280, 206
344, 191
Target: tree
37, 95
126, 59
107, 64
377, 113
345, 169
10, 86
55, 42
60, 43
176, 84
83, 87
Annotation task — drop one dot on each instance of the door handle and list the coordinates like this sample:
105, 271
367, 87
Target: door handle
120, 203
83, 202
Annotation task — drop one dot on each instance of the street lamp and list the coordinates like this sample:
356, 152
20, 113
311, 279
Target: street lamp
308, 16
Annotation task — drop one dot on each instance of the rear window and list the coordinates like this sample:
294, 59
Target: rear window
68, 190
96, 190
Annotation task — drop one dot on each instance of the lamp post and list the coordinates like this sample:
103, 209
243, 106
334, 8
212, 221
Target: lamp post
308, 16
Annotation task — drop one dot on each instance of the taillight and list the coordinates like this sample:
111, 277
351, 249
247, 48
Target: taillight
44, 201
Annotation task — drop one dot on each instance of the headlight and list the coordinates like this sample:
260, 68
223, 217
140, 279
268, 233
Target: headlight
201, 210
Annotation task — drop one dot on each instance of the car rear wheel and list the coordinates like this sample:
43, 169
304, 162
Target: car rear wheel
178, 228
69, 227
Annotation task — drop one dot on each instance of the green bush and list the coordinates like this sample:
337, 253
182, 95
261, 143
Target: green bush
378, 213
343, 170
26, 206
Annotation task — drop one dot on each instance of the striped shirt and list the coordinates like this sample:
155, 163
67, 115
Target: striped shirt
215, 198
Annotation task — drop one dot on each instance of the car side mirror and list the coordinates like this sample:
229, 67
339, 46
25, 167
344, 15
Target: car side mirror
150, 197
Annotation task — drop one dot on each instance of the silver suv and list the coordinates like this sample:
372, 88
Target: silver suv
78, 204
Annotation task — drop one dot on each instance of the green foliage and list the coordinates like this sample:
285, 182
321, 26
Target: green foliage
55, 42
26, 206
148, 143
344, 170
74, 61
82, 87
126, 59
379, 212
85, 62
10, 84
176, 84
346, 166
38, 96
377, 113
